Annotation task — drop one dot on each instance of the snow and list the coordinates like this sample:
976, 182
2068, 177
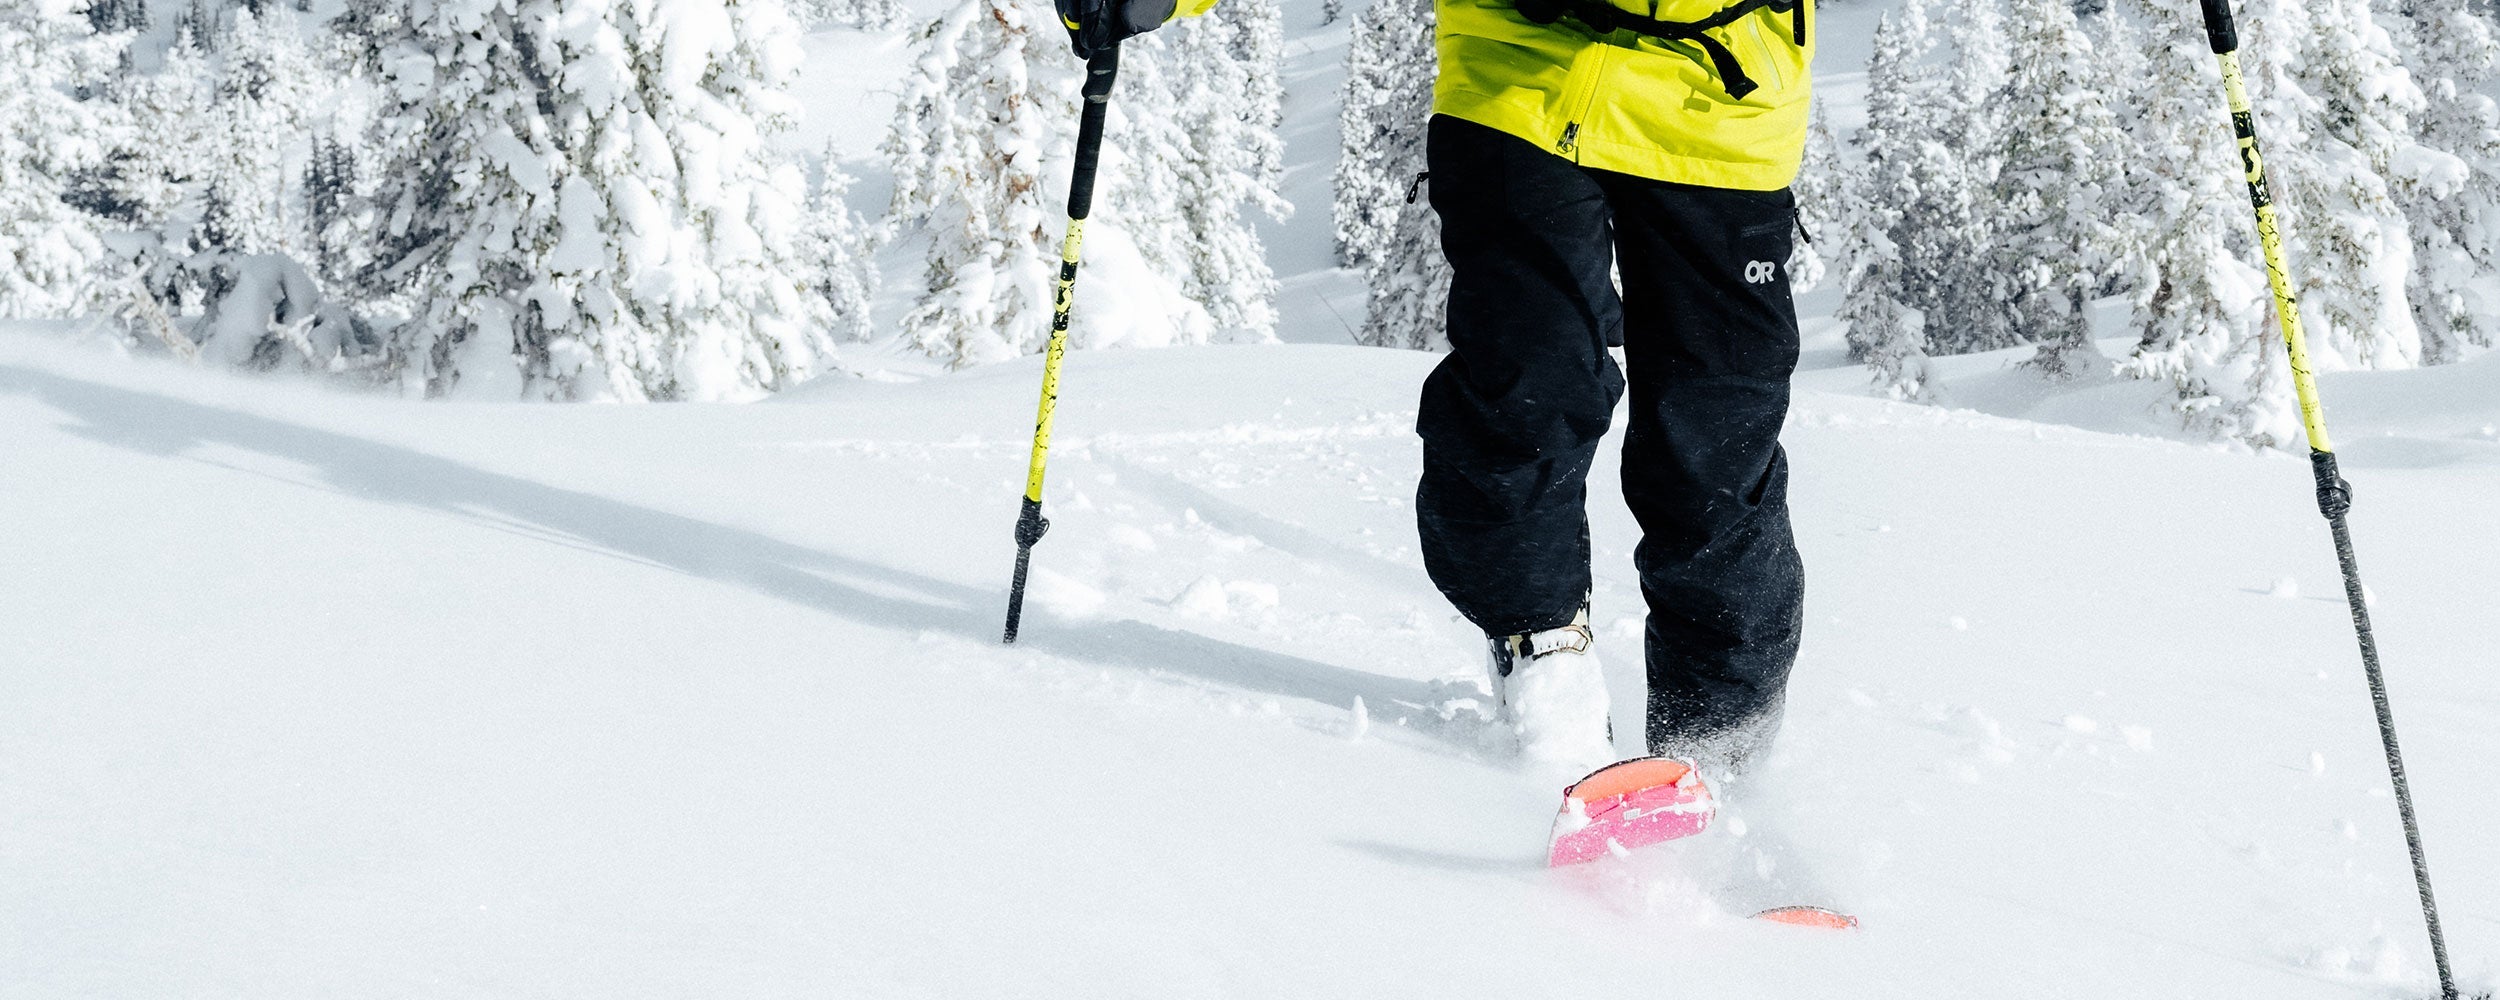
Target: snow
314, 695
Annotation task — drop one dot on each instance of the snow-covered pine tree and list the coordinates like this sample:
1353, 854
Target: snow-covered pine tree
49, 250
110, 17
2451, 191
334, 220
1233, 109
981, 147
1383, 224
583, 202
1954, 217
2201, 307
1381, 113
1823, 206
1885, 330
1409, 286
1886, 336
1983, 54
1146, 150
230, 114
985, 111
2063, 173
2334, 108
257, 116
840, 244
1198, 108
866, 15
255, 255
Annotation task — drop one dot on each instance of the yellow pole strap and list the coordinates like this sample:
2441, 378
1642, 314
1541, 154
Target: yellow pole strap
2278, 274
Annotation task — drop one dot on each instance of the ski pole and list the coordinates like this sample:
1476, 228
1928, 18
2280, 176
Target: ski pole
1030, 524
2334, 494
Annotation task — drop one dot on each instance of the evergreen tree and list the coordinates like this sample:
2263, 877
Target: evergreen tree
1237, 162
110, 17
1201, 102
256, 116
49, 249
2453, 192
1886, 328
2200, 301
206, 188
841, 245
981, 147
334, 222
227, 259
1410, 287
582, 201
1960, 149
2060, 238
1884, 334
972, 138
1823, 205
1381, 113
1935, 140
2324, 79
1383, 225
866, 15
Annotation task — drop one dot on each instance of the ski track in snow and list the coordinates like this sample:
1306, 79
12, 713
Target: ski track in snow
317, 695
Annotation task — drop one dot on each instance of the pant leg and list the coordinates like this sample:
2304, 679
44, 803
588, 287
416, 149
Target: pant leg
1710, 336
1511, 418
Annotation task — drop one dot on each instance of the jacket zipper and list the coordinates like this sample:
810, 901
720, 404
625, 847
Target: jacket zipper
1588, 75
1779, 81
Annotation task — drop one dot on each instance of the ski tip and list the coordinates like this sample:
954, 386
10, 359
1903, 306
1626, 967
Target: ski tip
1809, 916
1626, 777
1628, 805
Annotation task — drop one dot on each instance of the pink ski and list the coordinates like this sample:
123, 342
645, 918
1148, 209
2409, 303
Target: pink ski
1629, 805
1649, 800
1809, 916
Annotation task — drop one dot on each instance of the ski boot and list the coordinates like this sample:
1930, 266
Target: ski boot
1551, 693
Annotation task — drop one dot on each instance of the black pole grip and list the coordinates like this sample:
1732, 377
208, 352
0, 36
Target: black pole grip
2334, 494
2219, 30
1099, 72
1030, 524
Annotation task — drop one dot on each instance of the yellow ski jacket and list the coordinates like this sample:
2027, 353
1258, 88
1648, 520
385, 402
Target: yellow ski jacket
1632, 103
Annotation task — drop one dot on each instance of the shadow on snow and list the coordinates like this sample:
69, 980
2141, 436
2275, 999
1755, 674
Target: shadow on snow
861, 591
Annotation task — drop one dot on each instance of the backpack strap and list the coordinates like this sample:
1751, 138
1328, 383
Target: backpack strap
1605, 18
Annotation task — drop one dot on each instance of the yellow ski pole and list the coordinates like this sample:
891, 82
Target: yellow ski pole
2334, 494
1030, 524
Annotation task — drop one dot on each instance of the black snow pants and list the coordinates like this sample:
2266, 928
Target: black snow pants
1512, 417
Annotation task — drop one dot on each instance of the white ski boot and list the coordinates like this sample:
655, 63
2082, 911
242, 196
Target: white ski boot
1551, 693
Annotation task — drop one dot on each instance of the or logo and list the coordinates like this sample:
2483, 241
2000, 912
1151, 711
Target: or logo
1760, 271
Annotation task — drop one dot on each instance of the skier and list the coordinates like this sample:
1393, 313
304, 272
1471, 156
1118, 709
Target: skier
1556, 152
1570, 139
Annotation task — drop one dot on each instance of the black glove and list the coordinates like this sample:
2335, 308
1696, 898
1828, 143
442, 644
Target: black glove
1095, 25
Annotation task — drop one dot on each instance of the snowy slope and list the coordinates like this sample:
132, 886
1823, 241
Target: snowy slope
310, 695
